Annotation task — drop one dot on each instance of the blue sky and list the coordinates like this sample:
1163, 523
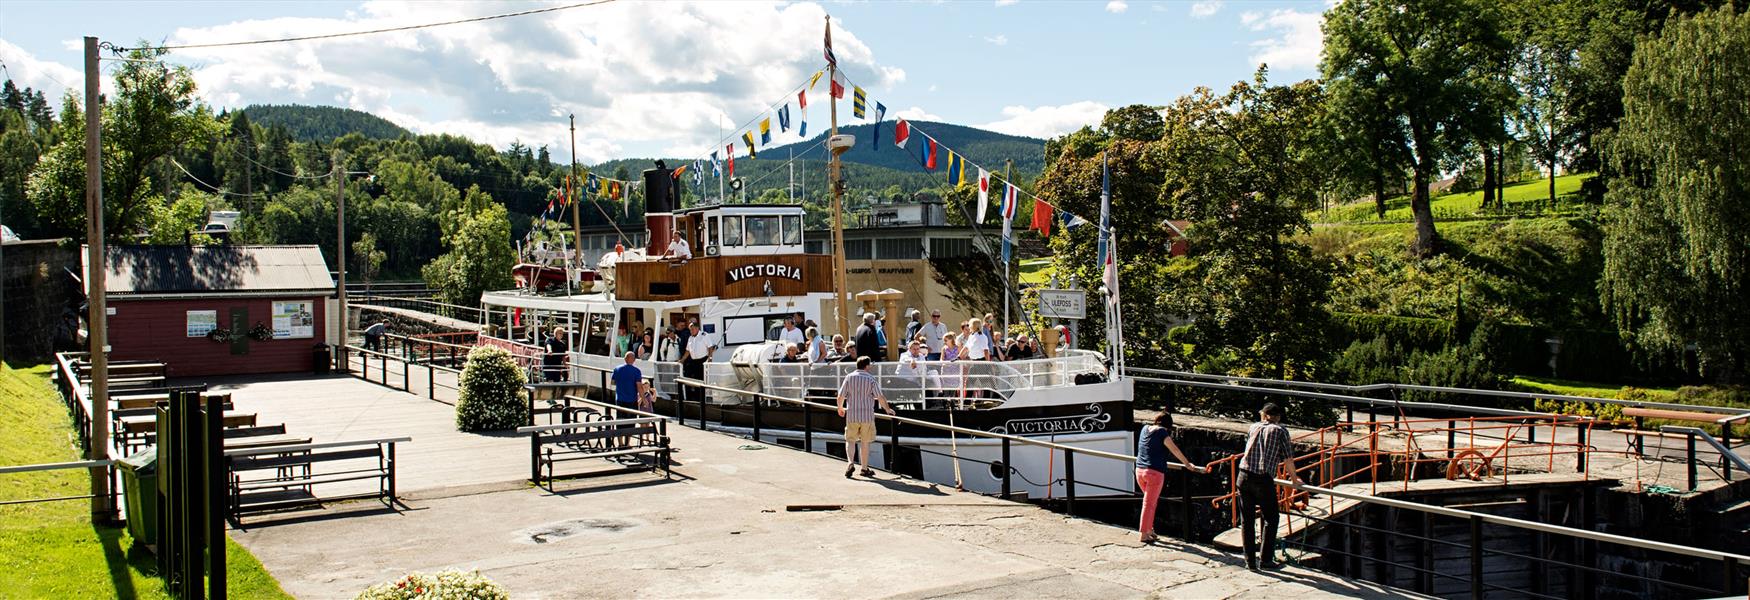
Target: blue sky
649, 78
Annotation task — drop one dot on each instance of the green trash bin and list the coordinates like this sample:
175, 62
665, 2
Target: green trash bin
140, 487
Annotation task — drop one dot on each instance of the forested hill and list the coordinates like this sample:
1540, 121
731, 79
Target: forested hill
868, 167
323, 123
987, 148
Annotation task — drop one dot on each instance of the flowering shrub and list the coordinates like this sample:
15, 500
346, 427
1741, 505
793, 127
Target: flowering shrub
489, 386
441, 586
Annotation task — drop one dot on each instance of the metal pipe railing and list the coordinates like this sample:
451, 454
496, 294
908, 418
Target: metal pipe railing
1736, 414
1730, 561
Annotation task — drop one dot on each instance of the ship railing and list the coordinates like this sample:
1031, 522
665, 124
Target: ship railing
933, 382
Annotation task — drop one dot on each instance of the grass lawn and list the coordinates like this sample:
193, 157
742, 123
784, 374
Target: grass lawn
1590, 390
1398, 208
1034, 271
51, 549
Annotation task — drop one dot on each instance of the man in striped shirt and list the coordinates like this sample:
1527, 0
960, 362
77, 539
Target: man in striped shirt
858, 396
1267, 448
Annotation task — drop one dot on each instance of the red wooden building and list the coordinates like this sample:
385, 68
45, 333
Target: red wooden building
213, 310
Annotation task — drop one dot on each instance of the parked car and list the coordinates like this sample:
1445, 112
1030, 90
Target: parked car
216, 228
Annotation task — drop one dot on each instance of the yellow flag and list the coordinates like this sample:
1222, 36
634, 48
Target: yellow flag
815, 79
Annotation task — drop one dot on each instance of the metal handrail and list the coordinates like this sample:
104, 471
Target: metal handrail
1383, 501
1501, 412
598, 424
77, 464
933, 425
1712, 441
314, 446
1736, 413
1585, 534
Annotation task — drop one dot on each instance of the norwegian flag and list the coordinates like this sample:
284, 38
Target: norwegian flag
1011, 198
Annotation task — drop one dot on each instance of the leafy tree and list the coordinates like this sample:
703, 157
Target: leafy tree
19, 152
367, 259
1240, 167
1138, 122
183, 217
479, 258
1421, 62
1677, 240
151, 115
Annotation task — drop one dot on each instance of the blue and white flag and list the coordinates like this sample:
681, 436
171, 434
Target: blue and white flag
1107, 251
784, 118
716, 165
1071, 221
880, 113
698, 173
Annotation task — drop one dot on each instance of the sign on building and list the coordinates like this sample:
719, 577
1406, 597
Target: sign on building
1063, 304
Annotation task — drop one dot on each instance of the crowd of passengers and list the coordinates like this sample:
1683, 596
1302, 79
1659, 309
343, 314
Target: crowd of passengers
935, 340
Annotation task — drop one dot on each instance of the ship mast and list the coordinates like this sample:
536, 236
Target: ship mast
576, 219
838, 192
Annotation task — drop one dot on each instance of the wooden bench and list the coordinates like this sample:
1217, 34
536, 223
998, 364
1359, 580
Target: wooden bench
127, 369
283, 477
136, 428
594, 438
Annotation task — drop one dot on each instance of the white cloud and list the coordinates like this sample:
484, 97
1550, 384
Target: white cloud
1047, 121
917, 113
641, 78
52, 78
1007, 2
1205, 8
998, 39
1117, 6
1297, 40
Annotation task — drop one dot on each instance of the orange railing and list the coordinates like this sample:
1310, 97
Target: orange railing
1475, 448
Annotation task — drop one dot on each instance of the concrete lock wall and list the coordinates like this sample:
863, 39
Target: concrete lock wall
41, 298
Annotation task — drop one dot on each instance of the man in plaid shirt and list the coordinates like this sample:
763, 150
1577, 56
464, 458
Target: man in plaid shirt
1267, 448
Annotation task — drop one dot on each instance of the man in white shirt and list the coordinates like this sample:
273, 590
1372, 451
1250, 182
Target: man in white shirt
933, 332
678, 250
699, 348
911, 373
791, 335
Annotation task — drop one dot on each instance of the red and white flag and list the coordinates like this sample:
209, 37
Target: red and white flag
901, 133
983, 193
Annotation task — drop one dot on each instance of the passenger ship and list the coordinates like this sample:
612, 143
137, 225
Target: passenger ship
748, 273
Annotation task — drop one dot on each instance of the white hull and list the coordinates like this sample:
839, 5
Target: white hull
1034, 466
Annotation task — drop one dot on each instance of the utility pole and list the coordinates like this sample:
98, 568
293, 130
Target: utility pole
791, 190
838, 193
344, 364
97, 320
576, 216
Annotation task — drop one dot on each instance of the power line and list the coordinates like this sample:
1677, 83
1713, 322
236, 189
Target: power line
119, 49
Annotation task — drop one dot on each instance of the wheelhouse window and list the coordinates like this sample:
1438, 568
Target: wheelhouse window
731, 231
762, 231
792, 230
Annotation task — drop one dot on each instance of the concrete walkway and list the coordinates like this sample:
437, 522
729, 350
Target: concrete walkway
722, 528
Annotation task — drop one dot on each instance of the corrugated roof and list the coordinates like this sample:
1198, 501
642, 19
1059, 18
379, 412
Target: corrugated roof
214, 269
